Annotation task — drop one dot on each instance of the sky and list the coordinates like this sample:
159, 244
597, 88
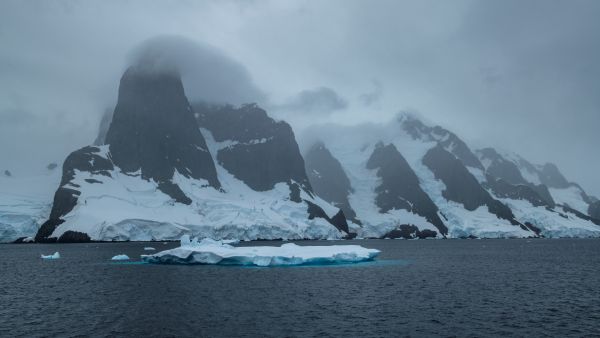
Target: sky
520, 75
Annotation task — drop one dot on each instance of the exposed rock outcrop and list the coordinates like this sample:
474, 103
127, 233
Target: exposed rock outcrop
328, 179
153, 130
262, 152
400, 187
462, 186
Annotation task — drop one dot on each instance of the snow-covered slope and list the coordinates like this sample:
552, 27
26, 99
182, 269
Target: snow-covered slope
171, 178
546, 180
128, 207
472, 203
25, 203
353, 146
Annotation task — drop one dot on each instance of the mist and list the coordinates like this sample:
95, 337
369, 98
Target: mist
517, 75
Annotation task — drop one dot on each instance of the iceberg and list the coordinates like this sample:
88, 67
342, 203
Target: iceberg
209, 251
56, 255
149, 248
120, 258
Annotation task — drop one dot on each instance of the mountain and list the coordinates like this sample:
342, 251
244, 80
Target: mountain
466, 193
165, 170
328, 179
162, 167
546, 180
399, 188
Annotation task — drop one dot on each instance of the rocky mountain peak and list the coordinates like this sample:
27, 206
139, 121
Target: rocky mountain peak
153, 130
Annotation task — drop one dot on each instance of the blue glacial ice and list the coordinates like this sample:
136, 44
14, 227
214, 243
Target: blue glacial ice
121, 257
209, 251
55, 255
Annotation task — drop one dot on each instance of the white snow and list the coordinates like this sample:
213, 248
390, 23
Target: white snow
209, 251
149, 248
121, 257
138, 211
551, 223
571, 197
353, 146
528, 175
25, 202
55, 255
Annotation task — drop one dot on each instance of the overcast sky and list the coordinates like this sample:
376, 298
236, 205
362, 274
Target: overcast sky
520, 75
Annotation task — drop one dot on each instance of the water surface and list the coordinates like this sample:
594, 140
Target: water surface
416, 288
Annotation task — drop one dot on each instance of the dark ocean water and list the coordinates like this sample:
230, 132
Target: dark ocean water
416, 288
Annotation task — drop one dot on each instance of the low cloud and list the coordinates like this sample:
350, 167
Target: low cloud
318, 101
207, 73
373, 96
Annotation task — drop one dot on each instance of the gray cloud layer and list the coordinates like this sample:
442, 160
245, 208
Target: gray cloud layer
518, 74
321, 100
207, 73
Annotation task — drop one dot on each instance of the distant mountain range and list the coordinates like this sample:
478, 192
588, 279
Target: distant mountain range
162, 167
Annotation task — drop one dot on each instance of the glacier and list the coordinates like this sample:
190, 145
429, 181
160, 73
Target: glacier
208, 251
25, 203
139, 211
352, 146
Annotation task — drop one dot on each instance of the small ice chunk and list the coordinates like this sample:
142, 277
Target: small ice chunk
120, 257
28, 240
56, 255
149, 248
209, 251
185, 240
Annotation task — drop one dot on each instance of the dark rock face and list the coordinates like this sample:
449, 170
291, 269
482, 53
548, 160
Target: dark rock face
502, 174
153, 130
544, 194
581, 215
328, 179
409, 231
503, 189
552, 177
264, 152
400, 187
501, 168
462, 186
594, 210
338, 220
74, 237
85, 159
448, 140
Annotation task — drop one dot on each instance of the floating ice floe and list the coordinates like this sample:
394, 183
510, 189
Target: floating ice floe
56, 255
209, 251
149, 248
120, 258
